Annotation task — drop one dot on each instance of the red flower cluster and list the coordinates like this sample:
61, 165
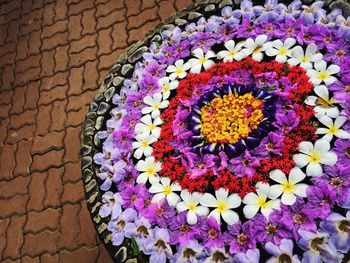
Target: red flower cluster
174, 169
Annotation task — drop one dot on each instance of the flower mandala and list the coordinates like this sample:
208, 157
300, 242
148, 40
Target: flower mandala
230, 142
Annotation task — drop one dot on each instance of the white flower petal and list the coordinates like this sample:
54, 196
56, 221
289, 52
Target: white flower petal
230, 217
288, 199
278, 176
250, 211
314, 169
208, 200
296, 175
301, 159
191, 218
329, 158
234, 201
300, 190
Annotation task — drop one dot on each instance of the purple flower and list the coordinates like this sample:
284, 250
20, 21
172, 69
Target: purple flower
290, 12
140, 230
163, 214
282, 253
240, 237
116, 119
225, 33
117, 226
287, 121
134, 196
123, 138
242, 77
246, 29
168, 55
203, 40
111, 205
312, 12
344, 27
251, 256
244, 165
317, 247
246, 11
338, 227
155, 69
265, 231
112, 173
338, 53
211, 233
149, 83
342, 149
181, 231
267, 79
321, 198
294, 217
217, 255
158, 246
188, 252
273, 143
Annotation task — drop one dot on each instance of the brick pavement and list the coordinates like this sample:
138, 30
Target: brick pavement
53, 56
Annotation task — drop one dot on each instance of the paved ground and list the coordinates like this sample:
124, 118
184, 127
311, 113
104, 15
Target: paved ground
53, 56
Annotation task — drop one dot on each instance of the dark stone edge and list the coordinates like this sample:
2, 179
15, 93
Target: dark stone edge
100, 107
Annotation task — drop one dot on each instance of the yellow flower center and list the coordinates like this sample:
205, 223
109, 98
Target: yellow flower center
332, 130
304, 59
232, 52
323, 75
156, 106
144, 145
222, 206
262, 202
230, 118
167, 190
192, 206
315, 157
202, 60
151, 170
288, 187
151, 127
166, 88
283, 51
179, 71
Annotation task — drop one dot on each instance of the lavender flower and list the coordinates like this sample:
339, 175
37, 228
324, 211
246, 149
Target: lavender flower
190, 252
158, 246
240, 237
217, 255
111, 205
181, 231
244, 165
282, 253
251, 256
320, 200
117, 226
140, 230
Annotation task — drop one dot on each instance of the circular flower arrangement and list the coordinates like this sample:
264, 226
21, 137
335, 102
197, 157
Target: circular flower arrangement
230, 142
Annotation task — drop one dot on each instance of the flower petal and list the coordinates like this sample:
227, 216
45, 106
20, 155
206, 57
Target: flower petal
278, 176
230, 217
296, 175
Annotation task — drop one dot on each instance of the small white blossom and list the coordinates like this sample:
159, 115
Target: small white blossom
323, 105
201, 60
305, 60
178, 70
142, 145
281, 50
154, 103
190, 202
167, 86
322, 73
149, 168
164, 189
233, 52
312, 156
256, 47
149, 126
289, 188
223, 203
333, 128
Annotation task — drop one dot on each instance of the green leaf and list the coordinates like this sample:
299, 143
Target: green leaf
134, 247
269, 88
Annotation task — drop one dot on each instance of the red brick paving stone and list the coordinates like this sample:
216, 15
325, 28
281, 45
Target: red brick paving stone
58, 115
43, 120
48, 258
108, 7
49, 14
138, 20
74, 27
78, 102
42, 144
47, 63
30, 62
89, 22
58, 79
103, 256
39, 221
56, 93
87, 233
29, 75
16, 186
61, 58
50, 159
7, 77
104, 41
23, 158
33, 22
69, 223
7, 59
112, 18
9, 260
7, 161
22, 47
58, 27
135, 34
15, 205
27, 6
13, 27
83, 43
24, 118
133, 7
73, 192
5, 111
18, 100
32, 95
14, 237
3, 227
40, 243
107, 61
72, 144
78, 59
85, 255
10, 6
166, 9
119, 36
148, 4
8, 47
35, 42
79, 7
36, 192
28, 259
102, 75
6, 96
54, 188
76, 118
182, 4
75, 81
59, 39
23, 133
61, 9
90, 75
72, 172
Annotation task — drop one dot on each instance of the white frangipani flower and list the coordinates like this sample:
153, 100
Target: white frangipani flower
256, 47
322, 73
333, 128
190, 202
165, 189
167, 86
289, 188
149, 126
154, 104
201, 60
233, 52
149, 168
305, 59
258, 200
323, 105
312, 156
223, 203
178, 70
142, 145
281, 50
